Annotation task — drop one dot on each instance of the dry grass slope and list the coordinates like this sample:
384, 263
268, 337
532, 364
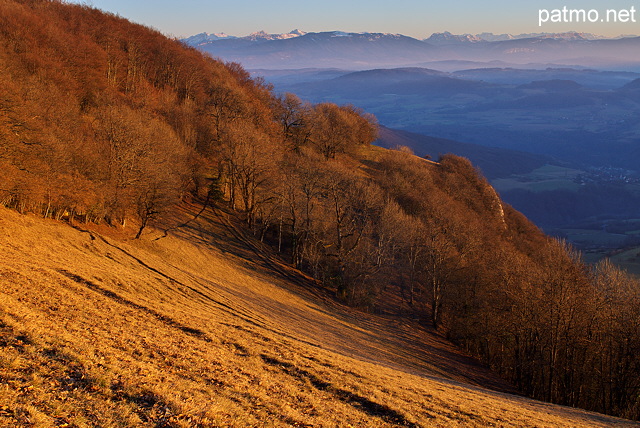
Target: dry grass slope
203, 328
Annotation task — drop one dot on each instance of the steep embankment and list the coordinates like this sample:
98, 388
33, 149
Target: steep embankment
204, 328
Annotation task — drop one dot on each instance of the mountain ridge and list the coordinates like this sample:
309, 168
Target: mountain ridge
371, 50
445, 36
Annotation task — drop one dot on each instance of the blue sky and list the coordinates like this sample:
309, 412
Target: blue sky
416, 18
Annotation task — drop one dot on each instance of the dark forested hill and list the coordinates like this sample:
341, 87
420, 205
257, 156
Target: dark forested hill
493, 162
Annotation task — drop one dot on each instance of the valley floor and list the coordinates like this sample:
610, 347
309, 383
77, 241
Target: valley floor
204, 328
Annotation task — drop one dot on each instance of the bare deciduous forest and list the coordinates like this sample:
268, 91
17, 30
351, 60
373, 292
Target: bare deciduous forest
105, 121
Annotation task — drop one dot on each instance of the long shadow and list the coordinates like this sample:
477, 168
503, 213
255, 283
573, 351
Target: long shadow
370, 407
110, 294
218, 228
401, 348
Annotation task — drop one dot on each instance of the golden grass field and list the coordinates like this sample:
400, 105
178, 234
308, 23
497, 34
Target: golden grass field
205, 328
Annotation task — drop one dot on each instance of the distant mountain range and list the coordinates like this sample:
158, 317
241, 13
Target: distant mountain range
447, 37
204, 38
357, 51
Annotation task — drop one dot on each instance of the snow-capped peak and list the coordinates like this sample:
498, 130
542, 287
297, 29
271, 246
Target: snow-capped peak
570, 35
203, 38
297, 33
369, 36
447, 37
262, 35
490, 37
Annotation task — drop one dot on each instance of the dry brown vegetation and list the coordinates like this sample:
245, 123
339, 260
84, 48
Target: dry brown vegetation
197, 329
110, 125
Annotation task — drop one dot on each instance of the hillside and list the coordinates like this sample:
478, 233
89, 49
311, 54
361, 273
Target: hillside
202, 328
116, 130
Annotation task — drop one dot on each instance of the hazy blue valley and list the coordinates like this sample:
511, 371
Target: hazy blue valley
550, 119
